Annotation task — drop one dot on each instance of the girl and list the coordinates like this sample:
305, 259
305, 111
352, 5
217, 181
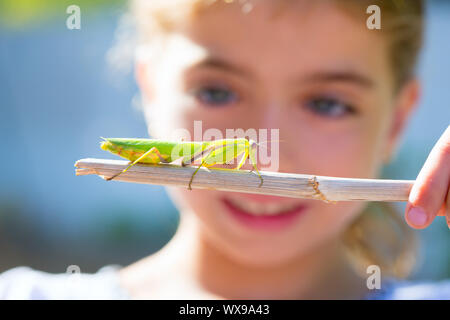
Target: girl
340, 94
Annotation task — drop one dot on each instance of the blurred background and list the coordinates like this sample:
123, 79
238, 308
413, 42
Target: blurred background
59, 94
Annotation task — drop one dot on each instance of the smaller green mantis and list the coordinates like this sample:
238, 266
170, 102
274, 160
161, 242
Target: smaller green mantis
153, 151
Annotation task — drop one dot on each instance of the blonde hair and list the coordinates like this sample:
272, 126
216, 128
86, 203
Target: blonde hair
395, 254
402, 25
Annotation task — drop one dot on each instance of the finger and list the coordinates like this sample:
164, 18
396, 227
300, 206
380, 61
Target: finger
430, 189
443, 210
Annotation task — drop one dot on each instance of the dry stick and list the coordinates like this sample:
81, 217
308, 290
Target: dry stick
275, 183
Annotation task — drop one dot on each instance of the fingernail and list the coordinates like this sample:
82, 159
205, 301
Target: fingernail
417, 216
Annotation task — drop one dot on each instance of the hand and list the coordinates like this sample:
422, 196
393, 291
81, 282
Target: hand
430, 194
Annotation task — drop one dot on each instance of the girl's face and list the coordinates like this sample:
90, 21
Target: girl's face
315, 73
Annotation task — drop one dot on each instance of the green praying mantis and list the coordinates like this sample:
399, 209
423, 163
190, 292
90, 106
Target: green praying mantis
154, 151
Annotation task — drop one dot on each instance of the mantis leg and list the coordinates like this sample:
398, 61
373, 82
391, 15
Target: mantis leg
251, 156
196, 156
153, 150
245, 156
249, 153
209, 151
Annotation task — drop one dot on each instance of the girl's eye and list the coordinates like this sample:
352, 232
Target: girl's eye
215, 96
330, 107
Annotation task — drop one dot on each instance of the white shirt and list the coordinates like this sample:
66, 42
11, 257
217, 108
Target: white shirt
24, 283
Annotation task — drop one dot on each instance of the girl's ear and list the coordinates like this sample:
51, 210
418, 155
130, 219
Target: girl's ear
406, 101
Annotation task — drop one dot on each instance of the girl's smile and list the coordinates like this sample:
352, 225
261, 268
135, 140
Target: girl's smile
266, 214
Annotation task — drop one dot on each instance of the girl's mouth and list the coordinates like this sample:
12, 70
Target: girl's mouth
264, 215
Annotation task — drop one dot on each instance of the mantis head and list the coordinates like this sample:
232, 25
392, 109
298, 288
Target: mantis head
253, 144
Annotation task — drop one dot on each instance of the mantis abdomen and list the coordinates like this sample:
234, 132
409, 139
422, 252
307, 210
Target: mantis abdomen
132, 149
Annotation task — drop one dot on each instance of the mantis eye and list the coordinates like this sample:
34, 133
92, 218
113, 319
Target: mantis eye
253, 144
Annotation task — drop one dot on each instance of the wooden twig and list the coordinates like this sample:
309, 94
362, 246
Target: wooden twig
275, 183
